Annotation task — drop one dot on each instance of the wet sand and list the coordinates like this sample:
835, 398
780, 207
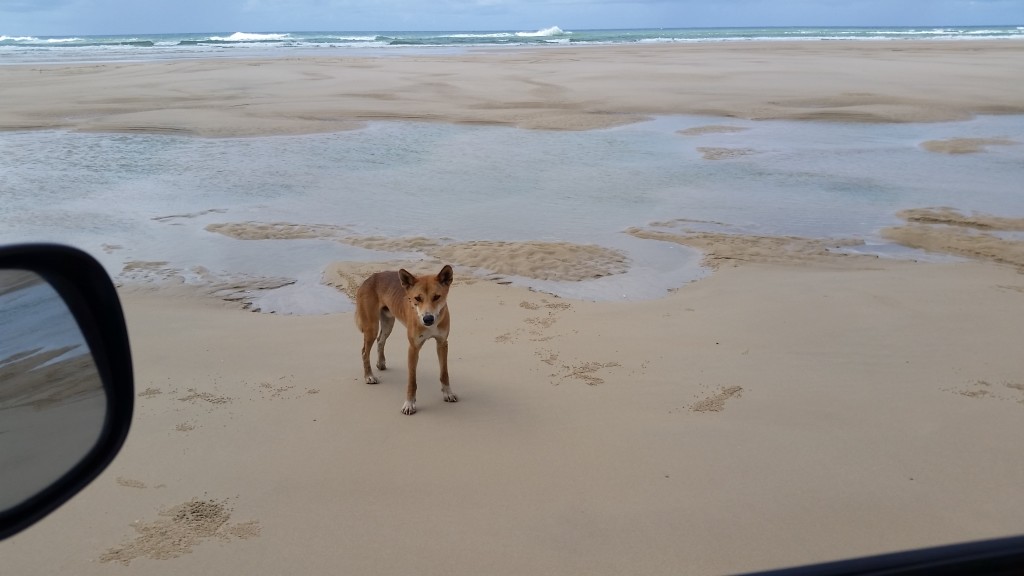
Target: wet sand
559, 88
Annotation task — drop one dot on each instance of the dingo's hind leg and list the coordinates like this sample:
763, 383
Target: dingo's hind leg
387, 323
369, 327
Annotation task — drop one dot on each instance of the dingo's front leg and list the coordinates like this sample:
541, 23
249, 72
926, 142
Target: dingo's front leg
410, 391
442, 360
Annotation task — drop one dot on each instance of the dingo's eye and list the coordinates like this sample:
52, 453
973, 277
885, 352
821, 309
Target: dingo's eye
437, 297
419, 299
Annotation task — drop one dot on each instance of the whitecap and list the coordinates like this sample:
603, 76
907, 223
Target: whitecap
552, 31
250, 37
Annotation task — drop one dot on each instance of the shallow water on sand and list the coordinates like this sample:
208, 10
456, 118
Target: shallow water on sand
131, 198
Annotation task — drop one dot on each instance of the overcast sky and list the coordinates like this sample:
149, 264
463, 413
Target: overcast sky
68, 17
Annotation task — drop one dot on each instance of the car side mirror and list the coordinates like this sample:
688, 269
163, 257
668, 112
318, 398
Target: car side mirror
66, 385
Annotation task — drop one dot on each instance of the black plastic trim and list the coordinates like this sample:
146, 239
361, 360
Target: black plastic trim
91, 297
1001, 556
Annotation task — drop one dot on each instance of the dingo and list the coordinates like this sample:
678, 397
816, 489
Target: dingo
420, 304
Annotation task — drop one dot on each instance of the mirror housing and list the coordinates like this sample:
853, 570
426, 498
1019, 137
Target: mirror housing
90, 297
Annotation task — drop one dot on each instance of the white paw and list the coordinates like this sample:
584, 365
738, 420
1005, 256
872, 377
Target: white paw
409, 407
371, 379
449, 396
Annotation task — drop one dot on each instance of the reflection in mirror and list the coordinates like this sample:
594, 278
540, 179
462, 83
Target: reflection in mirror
52, 401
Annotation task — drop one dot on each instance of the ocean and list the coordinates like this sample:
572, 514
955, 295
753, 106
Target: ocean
56, 49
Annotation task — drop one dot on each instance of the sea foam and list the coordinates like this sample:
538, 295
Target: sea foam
552, 31
250, 37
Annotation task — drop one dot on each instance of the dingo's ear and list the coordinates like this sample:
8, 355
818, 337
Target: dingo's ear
407, 279
446, 276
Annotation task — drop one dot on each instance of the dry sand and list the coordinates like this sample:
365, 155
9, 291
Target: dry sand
795, 406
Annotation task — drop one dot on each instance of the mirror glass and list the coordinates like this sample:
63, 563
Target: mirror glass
52, 401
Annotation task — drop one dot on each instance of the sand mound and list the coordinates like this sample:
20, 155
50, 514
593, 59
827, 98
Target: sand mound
945, 230
275, 231
952, 217
711, 129
384, 244
723, 153
290, 231
964, 145
719, 247
348, 276
560, 261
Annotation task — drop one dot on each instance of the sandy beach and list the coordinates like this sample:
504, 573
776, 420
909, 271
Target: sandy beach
799, 404
560, 88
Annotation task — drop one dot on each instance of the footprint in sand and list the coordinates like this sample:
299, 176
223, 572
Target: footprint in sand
185, 427
269, 391
133, 483
508, 337
180, 528
283, 389
536, 324
130, 482
716, 402
548, 357
1006, 391
541, 323
586, 372
194, 397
